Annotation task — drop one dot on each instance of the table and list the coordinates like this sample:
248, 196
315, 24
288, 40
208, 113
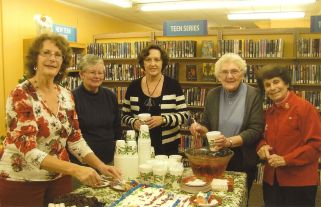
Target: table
236, 198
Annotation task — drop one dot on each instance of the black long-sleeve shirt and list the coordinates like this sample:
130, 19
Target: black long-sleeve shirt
99, 120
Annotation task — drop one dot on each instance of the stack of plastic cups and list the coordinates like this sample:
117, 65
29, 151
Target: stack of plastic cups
144, 144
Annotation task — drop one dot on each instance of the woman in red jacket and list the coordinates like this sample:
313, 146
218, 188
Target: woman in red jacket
291, 144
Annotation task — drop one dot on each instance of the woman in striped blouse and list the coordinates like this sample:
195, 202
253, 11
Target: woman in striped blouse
160, 96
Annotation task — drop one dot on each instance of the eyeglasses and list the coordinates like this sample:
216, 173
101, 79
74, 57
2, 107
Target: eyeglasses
233, 72
48, 54
150, 60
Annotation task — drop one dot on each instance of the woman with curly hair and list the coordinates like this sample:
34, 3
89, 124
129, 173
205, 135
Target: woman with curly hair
42, 125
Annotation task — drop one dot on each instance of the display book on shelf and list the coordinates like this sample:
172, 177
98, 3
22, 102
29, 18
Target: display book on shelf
78, 50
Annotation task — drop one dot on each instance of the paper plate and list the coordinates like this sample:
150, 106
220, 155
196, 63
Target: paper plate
193, 181
193, 201
103, 184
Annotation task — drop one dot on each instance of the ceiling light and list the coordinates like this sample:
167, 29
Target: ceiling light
265, 15
121, 3
206, 4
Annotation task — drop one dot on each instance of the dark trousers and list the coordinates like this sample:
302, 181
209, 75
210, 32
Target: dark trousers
32, 194
289, 196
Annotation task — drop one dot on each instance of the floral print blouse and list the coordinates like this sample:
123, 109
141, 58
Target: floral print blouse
35, 132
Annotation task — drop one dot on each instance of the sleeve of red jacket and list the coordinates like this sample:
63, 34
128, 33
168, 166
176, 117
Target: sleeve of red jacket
310, 124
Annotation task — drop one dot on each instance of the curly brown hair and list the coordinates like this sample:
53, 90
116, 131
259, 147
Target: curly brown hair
145, 52
271, 71
36, 46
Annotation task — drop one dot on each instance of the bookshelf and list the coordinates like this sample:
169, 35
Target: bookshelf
295, 48
79, 49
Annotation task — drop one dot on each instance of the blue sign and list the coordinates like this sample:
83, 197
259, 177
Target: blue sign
315, 24
70, 33
185, 28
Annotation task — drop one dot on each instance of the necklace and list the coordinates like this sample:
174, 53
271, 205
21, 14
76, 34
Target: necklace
149, 102
35, 83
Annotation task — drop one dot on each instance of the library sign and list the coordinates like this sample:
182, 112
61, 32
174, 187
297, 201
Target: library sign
70, 33
315, 22
185, 28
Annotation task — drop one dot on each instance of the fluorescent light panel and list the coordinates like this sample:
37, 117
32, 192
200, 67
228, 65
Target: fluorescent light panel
188, 5
121, 3
265, 15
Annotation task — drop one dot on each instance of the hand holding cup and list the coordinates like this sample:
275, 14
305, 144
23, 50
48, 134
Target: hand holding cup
215, 140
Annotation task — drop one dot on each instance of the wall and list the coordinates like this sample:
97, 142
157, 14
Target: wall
297, 23
2, 126
17, 24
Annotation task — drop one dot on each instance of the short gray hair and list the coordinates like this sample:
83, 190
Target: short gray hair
89, 60
230, 58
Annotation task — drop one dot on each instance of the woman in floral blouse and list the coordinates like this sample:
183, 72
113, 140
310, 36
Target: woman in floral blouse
42, 124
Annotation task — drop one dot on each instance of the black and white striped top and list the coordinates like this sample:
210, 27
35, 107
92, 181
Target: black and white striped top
172, 107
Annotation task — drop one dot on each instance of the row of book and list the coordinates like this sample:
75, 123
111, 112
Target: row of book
314, 97
117, 49
309, 47
75, 59
188, 141
128, 72
300, 74
305, 74
172, 70
71, 82
195, 96
249, 48
122, 72
179, 49
120, 92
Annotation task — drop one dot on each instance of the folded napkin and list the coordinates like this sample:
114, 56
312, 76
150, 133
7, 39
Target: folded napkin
222, 185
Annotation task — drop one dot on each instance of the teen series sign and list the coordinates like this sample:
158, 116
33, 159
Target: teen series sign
185, 28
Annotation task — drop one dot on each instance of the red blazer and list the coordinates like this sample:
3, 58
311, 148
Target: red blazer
293, 130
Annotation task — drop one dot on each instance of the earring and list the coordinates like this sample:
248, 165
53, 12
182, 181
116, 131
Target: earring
34, 68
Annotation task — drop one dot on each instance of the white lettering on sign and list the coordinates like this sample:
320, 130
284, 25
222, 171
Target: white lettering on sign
63, 30
176, 28
185, 28
192, 28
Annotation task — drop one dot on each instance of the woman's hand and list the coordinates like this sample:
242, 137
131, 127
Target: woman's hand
154, 121
87, 176
110, 170
276, 161
198, 130
220, 142
137, 124
264, 152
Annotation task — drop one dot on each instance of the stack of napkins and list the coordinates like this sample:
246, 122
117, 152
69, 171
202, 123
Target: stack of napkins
222, 185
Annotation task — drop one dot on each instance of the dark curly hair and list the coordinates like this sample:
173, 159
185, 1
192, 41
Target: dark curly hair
272, 71
36, 46
145, 52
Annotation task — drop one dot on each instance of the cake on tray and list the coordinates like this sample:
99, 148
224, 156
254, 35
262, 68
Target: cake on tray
143, 195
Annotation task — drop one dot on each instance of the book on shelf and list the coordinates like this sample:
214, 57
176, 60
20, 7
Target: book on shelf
172, 70
208, 72
191, 72
207, 48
